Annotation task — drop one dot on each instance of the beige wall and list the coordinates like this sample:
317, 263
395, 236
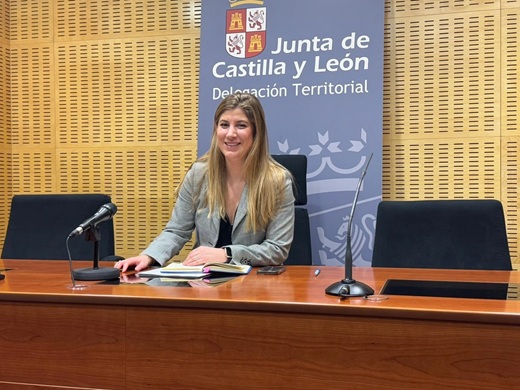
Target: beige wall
5, 119
101, 96
451, 110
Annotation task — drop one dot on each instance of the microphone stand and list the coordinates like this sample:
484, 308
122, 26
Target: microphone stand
95, 273
349, 287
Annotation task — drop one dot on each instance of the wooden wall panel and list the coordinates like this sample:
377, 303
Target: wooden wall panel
127, 92
510, 129
31, 21
510, 68
510, 184
7, 190
5, 92
5, 22
510, 4
5, 119
104, 99
142, 183
443, 76
442, 169
33, 170
112, 19
450, 121
399, 8
32, 95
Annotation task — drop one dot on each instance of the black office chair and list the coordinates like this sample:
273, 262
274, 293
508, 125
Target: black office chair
447, 234
301, 250
40, 224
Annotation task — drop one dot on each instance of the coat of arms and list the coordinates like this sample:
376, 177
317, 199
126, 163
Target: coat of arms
245, 32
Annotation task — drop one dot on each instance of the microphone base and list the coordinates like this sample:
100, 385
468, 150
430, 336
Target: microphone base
349, 288
105, 273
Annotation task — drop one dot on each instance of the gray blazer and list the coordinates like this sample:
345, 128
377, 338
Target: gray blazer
265, 247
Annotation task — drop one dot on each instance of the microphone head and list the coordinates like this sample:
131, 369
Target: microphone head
105, 213
112, 208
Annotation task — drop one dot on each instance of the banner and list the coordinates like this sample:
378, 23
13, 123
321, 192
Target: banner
317, 68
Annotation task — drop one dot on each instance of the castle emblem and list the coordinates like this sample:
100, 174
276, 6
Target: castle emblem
245, 32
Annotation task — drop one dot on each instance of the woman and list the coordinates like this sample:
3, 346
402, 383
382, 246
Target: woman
236, 197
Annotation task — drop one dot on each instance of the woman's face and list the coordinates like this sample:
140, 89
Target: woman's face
234, 135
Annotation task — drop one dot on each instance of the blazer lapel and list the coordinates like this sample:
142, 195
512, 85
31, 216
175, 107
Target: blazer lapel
242, 209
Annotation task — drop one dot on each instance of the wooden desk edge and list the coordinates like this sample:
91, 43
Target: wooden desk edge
274, 307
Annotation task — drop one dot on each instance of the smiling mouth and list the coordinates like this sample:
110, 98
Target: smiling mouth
232, 144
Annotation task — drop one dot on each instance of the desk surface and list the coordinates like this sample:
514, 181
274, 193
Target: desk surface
296, 290
136, 336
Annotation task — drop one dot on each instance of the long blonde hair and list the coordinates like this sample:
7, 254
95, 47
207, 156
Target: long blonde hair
265, 178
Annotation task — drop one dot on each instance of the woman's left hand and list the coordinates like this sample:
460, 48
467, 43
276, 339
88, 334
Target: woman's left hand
205, 254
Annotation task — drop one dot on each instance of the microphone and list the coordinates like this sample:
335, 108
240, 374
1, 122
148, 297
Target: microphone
348, 287
105, 213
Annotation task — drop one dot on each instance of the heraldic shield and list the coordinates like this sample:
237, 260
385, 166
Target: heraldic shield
245, 32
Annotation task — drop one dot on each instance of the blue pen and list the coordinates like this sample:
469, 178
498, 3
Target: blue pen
317, 272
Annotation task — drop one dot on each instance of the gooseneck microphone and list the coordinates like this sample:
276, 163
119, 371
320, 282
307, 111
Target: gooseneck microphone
105, 213
348, 287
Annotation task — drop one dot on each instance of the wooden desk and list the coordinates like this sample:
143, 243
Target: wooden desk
261, 332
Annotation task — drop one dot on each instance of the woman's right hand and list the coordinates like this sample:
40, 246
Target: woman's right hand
137, 263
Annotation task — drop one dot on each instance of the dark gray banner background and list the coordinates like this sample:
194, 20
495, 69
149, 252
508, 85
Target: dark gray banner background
319, 77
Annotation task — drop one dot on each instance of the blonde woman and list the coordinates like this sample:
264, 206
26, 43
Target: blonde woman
239, 201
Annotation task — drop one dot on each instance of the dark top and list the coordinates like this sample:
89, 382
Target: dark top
224, 234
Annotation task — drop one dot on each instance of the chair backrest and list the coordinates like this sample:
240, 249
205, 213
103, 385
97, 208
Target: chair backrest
297, 165
446, 234
40, 224
301, 249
